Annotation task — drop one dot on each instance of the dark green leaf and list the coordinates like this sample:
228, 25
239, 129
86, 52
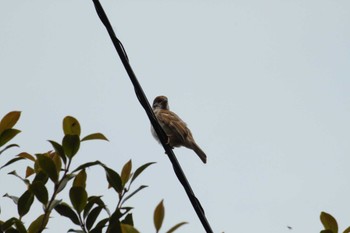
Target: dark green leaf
24, 203
128, 220
59, 150
37, 224
20, 227
128, 229
40, 191
71, 126
9, 120
176, 227
10, 162
48, 166
7, 224
78, 197
126, 171
158, 216
80, 179
13, 198
133, 193
12, 230
7, 135
65, 210
64, 182
99, 226
92, 200
41, 176
326, 231
140, 170
8, 147
71, 144
95, 136
329, 222
86, 165
347, 230
93, 216
114, 180
114, 225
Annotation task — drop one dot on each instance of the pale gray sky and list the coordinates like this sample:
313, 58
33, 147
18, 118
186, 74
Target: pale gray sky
264, 86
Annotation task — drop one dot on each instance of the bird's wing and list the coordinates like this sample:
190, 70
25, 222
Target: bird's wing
174, 125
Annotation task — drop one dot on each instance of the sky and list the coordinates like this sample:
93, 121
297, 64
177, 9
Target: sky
263, 85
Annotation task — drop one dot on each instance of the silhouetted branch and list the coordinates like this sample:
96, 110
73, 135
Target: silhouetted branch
145, 104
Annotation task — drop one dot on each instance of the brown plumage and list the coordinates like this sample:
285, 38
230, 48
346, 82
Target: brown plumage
175, 128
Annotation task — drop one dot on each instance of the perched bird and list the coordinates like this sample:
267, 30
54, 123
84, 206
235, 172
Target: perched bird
175, 128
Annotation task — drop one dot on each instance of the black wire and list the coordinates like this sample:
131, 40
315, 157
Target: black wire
145, 104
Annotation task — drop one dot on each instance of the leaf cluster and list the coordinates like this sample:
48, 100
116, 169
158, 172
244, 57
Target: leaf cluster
88, 213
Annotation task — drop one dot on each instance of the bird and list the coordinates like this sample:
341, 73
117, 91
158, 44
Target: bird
174, 127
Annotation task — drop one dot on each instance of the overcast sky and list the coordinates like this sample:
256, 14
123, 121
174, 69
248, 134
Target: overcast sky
263, 85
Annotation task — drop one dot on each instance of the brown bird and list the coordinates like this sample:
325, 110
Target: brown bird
175, 128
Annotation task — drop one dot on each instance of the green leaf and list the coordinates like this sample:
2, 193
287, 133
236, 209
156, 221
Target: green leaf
92, 200
75, 231
29, 171
8, 147
48, 166
126, 171
80, 179
128, 220
114, 225
64, 182
36, 224
347, 230
39, 190
13, 198
26, 156
71, 126
329, 222
94, 136
11, 162
41, 176
93, 216
78, 197
59, 150
140, 170
71, 144
99, 226
66, 211
7, 224
20, 227
7, 135
128, 229
90, 164
326, 231
174, 228
9, 120
24, 203
158, 216
133, 193
114, 179
57, 161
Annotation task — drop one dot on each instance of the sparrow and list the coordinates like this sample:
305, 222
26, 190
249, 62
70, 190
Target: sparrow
175, 128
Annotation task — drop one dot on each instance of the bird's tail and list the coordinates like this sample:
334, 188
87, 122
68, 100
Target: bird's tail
199, 152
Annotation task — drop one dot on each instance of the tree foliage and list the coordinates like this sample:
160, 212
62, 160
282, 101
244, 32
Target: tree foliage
87, 213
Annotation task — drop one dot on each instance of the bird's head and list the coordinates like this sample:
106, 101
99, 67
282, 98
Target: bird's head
160, 102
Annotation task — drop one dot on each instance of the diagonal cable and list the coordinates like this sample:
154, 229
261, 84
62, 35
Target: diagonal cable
145, 104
